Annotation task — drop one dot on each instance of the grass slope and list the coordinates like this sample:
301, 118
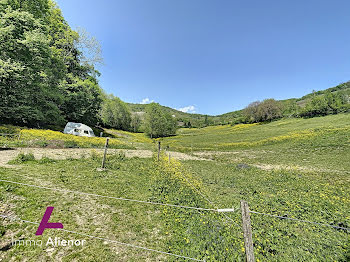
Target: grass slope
322, 198
121, 221
322, 142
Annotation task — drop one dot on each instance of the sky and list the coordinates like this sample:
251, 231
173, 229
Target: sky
216, 56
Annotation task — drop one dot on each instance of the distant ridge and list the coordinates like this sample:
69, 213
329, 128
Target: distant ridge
227, 117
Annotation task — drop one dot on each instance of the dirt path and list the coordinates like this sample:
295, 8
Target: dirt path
7, 155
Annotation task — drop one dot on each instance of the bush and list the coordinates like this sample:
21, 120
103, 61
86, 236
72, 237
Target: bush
45, 160
41, 143
70, 144
9, 129
2, 231
22, 158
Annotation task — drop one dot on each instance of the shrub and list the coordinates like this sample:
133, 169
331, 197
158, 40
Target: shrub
70, 144
22, 158
45, 160
2, 231
41, 143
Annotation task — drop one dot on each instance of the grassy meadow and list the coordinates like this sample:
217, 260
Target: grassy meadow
227, 137
295, 168
321, 143
108, 218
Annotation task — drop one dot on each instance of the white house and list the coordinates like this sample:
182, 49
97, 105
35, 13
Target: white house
78, 129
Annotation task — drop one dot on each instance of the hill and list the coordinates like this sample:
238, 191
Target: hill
199, 120
196, 120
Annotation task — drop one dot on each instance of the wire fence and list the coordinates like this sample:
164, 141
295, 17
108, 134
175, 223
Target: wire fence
120, 198
216, 209
301, 220
222, 211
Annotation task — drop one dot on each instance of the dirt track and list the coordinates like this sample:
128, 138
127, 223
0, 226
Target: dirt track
7, 155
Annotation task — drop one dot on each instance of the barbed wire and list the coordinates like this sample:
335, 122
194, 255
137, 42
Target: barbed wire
104, 239
300, 220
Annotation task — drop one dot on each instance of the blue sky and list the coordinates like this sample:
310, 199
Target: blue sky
216, 56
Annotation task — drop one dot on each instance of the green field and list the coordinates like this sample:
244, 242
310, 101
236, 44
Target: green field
256, 135
295, 168
321, 143
123, 221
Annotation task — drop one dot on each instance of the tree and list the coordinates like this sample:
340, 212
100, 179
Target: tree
206, 122
135, 122
29, 76
250, 112
44, 76
159, 123
82, 99
90, 48
82, 94
267, 110
115, 113
38, 8
325, 104
290, 108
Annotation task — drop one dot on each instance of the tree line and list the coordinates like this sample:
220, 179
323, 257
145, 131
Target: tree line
320, 103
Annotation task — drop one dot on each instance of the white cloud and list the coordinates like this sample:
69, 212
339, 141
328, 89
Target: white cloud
146, 101
188, 109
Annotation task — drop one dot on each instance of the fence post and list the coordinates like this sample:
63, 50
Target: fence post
158, 150
105, 153
169, 157
247, 232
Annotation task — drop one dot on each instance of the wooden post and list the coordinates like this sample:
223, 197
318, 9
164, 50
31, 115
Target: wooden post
105, 153
247, 232
169, 157
158, 150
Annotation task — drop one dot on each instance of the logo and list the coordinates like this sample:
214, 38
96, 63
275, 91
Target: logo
45, 222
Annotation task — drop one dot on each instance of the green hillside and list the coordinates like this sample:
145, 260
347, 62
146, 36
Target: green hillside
199, 120
322, 142
196, 120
